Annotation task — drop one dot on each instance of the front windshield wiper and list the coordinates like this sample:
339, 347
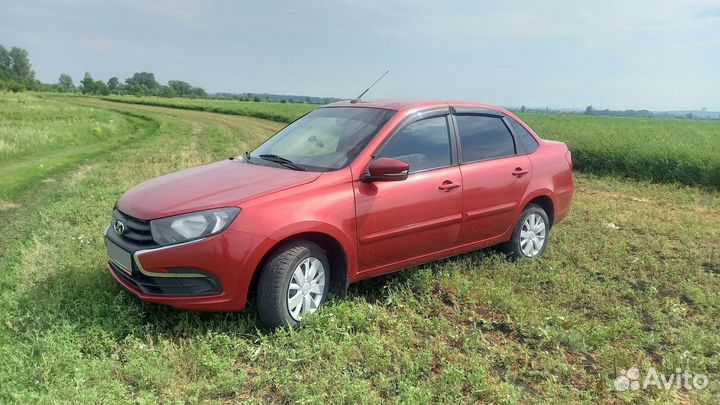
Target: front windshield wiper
282, 161
248, 159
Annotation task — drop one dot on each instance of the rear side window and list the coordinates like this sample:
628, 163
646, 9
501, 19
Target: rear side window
423, 145
483, 137
528, 143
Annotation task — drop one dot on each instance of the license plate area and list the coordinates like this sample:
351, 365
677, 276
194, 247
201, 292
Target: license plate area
119, 257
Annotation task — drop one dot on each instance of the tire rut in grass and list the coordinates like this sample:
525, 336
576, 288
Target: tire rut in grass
24, 198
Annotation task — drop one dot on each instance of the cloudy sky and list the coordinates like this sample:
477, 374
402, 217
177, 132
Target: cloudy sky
652, 54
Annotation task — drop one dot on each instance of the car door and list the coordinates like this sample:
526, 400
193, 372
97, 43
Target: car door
403, 220
495, 177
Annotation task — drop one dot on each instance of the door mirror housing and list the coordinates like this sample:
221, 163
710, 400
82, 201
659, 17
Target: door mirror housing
386, 169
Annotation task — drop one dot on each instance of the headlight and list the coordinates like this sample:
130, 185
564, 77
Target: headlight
196, 225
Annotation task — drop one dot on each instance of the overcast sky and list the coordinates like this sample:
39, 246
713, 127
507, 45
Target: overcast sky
650, 54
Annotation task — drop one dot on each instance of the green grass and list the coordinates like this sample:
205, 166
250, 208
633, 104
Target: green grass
472, 329
39, 136
659, 150
281, 112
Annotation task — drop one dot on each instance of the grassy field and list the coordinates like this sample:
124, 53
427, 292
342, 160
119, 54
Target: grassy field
38, 136
631, 278
659, 150
281, 112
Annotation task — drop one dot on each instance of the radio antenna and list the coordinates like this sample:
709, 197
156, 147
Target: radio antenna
355, 100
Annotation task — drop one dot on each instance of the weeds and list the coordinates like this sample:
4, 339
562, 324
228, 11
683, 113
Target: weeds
469, 329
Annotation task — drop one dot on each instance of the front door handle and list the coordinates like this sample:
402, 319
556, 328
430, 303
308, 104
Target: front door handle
519, 172
448, 185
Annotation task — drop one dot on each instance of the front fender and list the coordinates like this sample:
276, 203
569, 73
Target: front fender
309, 227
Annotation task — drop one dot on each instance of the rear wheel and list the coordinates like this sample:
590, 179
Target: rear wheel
530, 237
294, 283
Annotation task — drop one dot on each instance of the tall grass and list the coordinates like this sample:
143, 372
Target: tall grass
659, 150
41, 135
470, 329
52, 126
281, 112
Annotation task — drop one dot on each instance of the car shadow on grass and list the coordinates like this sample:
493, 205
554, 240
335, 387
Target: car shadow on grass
92, 299
376, 289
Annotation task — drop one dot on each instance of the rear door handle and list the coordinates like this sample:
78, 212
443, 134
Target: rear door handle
519, 172
448, 185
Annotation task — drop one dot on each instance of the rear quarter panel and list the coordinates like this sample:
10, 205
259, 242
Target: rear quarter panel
551, 176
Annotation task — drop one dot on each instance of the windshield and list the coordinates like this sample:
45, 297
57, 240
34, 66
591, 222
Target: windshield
323, 140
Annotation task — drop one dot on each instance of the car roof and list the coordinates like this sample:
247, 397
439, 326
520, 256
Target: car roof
398, 105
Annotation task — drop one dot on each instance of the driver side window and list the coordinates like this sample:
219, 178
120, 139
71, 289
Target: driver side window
424, 145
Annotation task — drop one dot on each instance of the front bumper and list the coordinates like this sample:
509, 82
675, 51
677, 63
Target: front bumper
200, 285
204, 275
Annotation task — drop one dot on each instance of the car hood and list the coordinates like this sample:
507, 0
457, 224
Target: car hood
215, 185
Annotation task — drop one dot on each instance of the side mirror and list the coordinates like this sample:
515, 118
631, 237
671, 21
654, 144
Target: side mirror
386, 169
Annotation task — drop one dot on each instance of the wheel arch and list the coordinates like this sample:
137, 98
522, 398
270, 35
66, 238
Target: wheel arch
336, 253
546, 203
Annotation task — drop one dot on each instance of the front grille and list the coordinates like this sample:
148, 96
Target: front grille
137, 231
208, 285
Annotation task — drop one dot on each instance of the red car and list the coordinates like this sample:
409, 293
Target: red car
349, 191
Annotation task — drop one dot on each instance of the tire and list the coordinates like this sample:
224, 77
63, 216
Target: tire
274, 286
517, 247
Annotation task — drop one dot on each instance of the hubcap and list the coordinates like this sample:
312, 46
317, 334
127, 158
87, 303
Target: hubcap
532, 235
306, 288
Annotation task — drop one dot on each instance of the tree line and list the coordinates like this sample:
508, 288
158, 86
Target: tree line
16, 71
275, 98
589, 110
16, 74
139, 84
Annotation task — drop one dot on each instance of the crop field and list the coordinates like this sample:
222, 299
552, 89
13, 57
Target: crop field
281, 112
659, 150
630, 279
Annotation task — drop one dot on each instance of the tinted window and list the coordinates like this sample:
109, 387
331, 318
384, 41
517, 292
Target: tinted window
528, 143
484, 137
326, 139
423, 145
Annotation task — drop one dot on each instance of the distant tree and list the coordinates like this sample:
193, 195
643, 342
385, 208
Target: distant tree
142, 78
689, 116
5, 62
101, 88
65, 82
165, 91
87, 84
523, 109
20, 64
113, 84
198, 92
256, 99
180, 88
142, 83
589, 110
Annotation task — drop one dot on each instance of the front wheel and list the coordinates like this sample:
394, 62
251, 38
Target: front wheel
294, 283
530, 237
